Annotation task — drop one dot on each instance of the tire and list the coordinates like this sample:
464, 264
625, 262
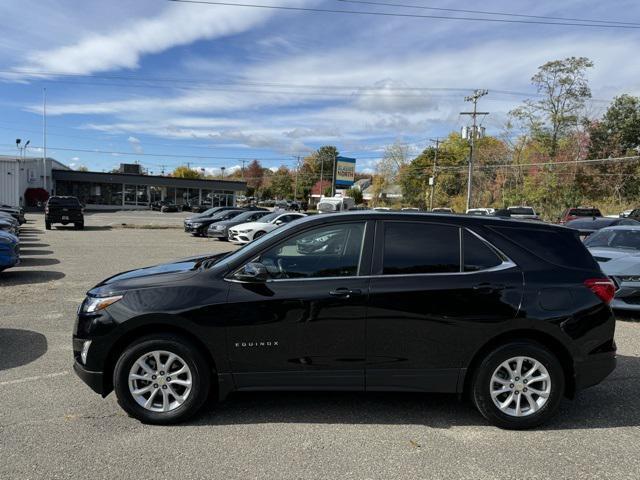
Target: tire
187, 353
258, 234
47, 226
492, 374
79, 226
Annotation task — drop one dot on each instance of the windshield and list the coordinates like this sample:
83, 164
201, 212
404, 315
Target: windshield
585, 212
328, 207
270, 217
625, 239
211, 211
522, 211
245, 215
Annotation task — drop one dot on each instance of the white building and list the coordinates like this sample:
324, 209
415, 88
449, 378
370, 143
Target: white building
19, 174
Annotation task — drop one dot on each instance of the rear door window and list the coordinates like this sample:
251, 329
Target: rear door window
412, 247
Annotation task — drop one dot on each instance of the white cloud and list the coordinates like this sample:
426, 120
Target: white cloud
135, 144
123, 45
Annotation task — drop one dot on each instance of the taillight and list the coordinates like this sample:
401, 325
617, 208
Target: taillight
604, 288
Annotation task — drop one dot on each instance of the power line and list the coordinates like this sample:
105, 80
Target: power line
404, 15
484, 12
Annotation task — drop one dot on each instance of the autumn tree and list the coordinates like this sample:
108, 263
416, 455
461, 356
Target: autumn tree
563, 90
184, 171
254, 176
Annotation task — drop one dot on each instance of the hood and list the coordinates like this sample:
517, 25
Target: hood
9, 236
615, 261
155, 275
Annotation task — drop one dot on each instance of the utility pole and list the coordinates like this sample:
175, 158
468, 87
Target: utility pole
321, 174
295, 188
334, 175
242, 171
477, 94
432, 180
44, 138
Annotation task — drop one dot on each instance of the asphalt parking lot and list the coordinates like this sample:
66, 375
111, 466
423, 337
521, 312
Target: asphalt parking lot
53, 426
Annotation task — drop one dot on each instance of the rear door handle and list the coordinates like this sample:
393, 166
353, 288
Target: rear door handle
345, 292
487, 288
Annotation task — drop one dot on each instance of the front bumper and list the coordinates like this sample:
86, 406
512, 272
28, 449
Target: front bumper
217, 233
238, 238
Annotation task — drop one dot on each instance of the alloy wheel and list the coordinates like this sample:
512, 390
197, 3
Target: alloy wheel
160, 381
520, 386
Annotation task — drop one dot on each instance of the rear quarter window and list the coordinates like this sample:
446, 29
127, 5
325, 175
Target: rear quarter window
559, 247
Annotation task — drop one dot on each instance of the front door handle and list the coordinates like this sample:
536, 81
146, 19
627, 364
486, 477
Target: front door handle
345, 292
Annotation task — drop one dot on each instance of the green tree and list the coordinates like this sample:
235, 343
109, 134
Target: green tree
282, 183
618, 132
563, 90
356, 194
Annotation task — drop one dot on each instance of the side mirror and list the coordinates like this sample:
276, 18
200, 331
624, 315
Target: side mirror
279, 222
253, 272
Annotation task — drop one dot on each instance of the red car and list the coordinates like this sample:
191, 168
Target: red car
579, 212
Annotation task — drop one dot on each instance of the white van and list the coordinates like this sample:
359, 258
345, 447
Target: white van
335, 204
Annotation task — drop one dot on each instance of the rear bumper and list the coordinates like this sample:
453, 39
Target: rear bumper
595, 369
95, 380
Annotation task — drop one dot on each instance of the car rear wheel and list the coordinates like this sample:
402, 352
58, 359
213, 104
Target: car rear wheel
162, 379
47, 225
78, 226
519, 385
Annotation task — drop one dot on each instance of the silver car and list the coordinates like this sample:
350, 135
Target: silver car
617, 250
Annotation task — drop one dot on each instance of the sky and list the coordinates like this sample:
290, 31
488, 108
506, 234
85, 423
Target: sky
166, 83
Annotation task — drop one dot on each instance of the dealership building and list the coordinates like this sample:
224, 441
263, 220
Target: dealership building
127, 189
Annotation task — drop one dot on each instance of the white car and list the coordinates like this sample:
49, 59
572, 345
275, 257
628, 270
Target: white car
481, 211
248, 232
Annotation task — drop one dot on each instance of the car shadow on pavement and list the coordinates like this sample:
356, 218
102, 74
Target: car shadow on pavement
23, 277
37, 262
608, 405
20, 347
28, 251
87, 228
24, 245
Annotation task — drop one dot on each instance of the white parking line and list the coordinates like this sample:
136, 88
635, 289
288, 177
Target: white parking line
33, 379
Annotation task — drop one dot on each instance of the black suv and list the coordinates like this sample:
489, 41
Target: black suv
513, 313
64, 210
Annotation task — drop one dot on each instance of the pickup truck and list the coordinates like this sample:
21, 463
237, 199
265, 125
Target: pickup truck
64, 210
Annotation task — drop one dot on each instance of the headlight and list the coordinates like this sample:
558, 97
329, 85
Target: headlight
218, 227
630, 278
244, 231
196, 224
95, 304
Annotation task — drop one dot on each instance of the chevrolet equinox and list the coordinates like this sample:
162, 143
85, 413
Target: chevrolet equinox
515, 314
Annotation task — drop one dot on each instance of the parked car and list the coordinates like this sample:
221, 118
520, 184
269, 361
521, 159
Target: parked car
220, 230
9, 225
513, 314
64, 210
248, 232
523, 213
625, 213
442, 210
586, 226
635, 214
579, 212
9, 250
335, 204
198, 218
15, 212
164, 206
481, 211
408, 209
617, 250
198, 227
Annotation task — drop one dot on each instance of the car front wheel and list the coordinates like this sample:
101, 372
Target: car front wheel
162, 379
519, 385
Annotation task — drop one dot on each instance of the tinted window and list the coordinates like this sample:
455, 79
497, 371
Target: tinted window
477, 254
624, 239
68, 202
330, 251
561, 247
522, 211
420, 248
585, 212
591, 223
